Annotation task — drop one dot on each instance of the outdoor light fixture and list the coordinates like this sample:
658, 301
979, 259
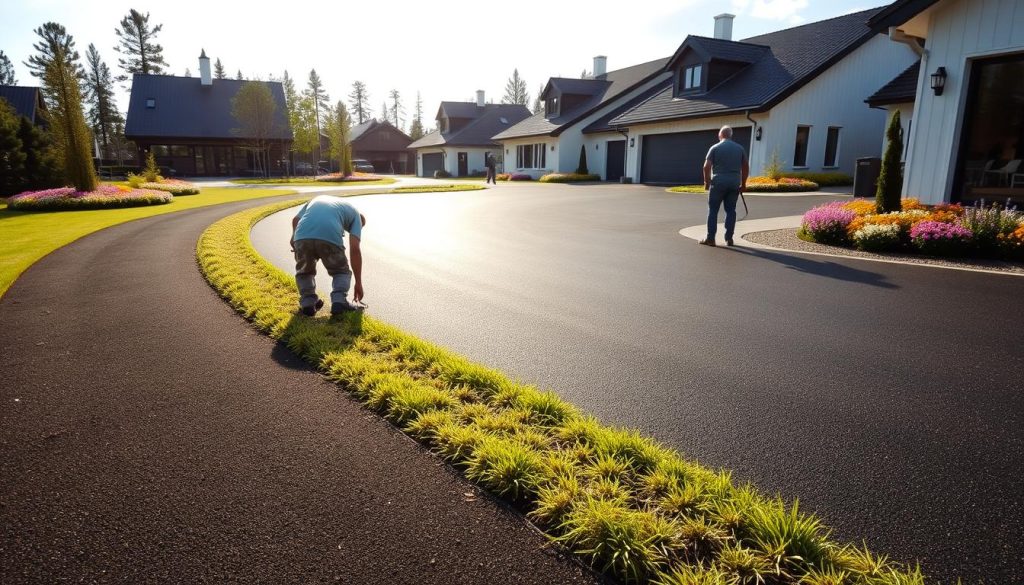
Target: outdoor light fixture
632, 142
939, 80
757, 133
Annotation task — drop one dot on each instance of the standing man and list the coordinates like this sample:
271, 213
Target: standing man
317, 234
491, 163
725, 177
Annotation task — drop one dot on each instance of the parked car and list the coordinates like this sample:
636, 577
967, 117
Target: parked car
362, 166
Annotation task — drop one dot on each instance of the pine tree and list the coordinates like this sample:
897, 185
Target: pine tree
397, 109
538, 105
315, 90
291, 99
218, 70
416, 128
359, 99
515, 90
239, 76
42, 163
137, 44
338, 132
890, 181
54, 38
582, 169
12, 155
385, 112
99, 95
60, 83
6, 71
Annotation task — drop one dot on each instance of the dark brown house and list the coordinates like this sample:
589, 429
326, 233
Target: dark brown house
385, 146
186, 122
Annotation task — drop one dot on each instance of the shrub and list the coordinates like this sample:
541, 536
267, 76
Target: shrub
172, 186
831, 179
827, 224
582, 169
940, 239
782, 185
988, 224
520, 177
773, 168
877, 237
442, 174
104, 197
568, 177
502, 177
151, 172
890, 181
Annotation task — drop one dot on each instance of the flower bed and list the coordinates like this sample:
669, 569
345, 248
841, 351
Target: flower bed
939, 230
513, 177
175, 187
830, 179
568, 178
782, 185
353, 178
104, 197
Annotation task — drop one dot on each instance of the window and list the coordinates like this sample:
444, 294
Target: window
160, 150
551, 106
691, 77
443, 125
531, 156
180, 150
150, 103
832, 147
803, 133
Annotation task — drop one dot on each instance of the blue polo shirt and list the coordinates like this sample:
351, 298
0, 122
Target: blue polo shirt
327, 218
727, 164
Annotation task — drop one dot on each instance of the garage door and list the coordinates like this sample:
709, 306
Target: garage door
678, 158
432, 162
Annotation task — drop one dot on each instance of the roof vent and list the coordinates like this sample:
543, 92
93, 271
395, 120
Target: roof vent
723, 26
503, 120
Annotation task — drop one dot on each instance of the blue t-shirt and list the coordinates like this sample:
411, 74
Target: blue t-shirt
727, 163
327, 218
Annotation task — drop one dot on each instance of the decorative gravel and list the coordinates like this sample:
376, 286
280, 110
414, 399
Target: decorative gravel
787, 240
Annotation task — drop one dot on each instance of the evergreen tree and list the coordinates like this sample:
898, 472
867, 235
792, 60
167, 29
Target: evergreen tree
137, 44
12, 155
54, 38
385, 112
359, 99
6, 71
416, 128
42, 163
316, 92
515, 90
218, 70
291, 100
338, 132
73, 139
582, 169
239, 76
890, 181
538, 105
397, 109
99, 95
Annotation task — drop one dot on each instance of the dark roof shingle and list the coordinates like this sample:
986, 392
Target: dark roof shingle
794, 57
902, 89
26, 101
184, 108
488, 121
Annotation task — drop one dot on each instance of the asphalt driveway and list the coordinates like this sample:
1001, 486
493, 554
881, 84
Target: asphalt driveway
886, 397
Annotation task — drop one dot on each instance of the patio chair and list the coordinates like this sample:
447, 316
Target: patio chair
1004, 173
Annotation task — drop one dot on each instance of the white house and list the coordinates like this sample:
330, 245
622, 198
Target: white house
898, 96
463, 136
966, 141
550, 141
796, 93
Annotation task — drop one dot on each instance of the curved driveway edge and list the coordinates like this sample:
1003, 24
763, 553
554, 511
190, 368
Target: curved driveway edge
746, 227
148, 434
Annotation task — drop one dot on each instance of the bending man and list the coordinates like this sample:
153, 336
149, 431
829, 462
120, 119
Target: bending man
318, 231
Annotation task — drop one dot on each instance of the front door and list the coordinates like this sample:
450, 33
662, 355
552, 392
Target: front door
463, 164
616, 160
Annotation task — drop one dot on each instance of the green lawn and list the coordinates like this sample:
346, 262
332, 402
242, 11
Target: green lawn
688, 189
30, 235
310, 182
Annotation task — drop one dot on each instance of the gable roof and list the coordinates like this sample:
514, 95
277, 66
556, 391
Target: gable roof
710, 48
187, 109
371, 126
898, 13
489, 120
793, 58
902, 89
26, 101
602, 89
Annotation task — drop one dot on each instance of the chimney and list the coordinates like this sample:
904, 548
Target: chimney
723, 26
480, 98
600, 65
204, 69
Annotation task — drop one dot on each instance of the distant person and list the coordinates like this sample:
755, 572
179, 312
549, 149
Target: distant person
318, 230
491, 164
725, 177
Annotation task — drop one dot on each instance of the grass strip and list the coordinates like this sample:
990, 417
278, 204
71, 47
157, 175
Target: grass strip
31, 235
437, 188
308, 182
627, 505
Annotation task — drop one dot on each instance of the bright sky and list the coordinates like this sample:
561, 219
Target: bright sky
445, 49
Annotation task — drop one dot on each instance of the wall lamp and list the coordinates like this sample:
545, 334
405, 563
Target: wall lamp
632, 142
939, 80
758, 132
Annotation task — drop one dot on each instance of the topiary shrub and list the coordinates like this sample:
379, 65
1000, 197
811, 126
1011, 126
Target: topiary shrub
582, 169
890, 181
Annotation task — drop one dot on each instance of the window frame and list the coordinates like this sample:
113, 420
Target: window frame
531, 156
796, 146
552, 106
834, 164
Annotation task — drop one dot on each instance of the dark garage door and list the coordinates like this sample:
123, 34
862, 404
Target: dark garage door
678, 158
432, 162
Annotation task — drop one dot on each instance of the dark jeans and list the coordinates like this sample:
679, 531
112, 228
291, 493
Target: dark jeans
716, 197
491, 176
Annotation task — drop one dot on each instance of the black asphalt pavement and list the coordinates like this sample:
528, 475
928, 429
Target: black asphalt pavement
149, 435
887, 398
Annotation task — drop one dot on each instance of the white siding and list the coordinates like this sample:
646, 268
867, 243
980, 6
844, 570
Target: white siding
906, 122
550, 158
475, 159
958, 31
636, 134
836, 98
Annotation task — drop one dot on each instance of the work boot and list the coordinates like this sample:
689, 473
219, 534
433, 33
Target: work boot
707, 242
344, 307
729, 242
311, 311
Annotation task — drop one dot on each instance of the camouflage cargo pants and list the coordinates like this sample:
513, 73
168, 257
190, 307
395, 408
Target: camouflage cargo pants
307, 253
